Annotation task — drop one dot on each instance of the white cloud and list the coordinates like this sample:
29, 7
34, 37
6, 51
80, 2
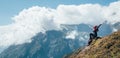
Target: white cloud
73, 14
88, 13
112, 12
39, 19
26, 24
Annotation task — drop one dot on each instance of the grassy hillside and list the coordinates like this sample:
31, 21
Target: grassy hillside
105, 47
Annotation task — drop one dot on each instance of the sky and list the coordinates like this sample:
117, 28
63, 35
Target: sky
10, 8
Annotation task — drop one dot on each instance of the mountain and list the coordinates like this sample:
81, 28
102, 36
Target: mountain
52, 44
105, 47
49, 45
55, 43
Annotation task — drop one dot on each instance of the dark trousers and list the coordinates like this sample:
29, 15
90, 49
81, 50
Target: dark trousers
92, 36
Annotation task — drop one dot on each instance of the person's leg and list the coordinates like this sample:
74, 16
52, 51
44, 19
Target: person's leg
91, 35
89, 42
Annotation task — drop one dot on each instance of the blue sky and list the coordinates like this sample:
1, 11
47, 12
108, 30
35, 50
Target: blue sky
10, 8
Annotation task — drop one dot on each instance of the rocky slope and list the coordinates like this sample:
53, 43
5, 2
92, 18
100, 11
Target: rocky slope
106, 47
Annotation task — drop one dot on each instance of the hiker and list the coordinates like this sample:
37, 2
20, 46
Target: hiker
94, 34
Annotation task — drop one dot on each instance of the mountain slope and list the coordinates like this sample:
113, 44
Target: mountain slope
106, 47
52, 44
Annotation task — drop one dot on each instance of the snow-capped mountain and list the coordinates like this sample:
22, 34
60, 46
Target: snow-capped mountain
55, 43
49, 45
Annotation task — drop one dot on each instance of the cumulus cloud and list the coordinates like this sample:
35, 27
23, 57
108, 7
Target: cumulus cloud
37, 19
27, 24
73, 14
88, 13
112, 12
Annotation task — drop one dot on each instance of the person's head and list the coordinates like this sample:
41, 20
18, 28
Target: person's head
95, 27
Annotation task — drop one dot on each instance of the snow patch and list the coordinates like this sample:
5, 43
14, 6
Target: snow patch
72, 34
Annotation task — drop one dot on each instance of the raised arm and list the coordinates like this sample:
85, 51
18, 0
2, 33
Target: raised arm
99, 25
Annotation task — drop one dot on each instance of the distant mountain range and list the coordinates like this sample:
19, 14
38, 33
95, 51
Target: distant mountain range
56, 43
